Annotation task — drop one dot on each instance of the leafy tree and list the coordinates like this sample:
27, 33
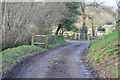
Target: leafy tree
70, 19
75, 29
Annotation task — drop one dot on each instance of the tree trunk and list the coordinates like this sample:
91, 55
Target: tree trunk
62, 31
93, 30
84, 28
84, 17
118, 21
4, 23
58, 29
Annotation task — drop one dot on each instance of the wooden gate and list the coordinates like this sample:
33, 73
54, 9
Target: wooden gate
45, 43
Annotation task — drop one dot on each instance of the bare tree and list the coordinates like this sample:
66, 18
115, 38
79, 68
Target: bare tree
21, 19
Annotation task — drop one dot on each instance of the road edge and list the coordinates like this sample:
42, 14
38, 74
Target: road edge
13, 70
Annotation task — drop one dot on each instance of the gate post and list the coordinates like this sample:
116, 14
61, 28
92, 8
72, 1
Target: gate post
46, 41
88, 37
32, 39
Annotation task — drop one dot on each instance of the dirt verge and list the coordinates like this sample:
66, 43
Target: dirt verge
97, 72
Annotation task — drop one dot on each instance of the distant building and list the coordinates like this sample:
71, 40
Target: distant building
108, 28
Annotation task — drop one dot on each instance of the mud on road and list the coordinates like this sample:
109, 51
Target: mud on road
62, 62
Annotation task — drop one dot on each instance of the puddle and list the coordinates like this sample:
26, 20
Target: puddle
87, 74
84, 69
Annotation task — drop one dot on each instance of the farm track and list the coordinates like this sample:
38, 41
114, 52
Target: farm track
61, 62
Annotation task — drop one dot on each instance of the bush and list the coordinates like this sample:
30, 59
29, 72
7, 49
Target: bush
56, 41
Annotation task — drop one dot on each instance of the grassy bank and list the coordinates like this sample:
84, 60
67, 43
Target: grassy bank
57, 42
103, 55
13, 55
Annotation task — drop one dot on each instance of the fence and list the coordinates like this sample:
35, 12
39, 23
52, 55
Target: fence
45, 43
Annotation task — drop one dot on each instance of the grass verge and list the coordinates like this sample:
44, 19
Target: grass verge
13, 55
57, 43
104, 54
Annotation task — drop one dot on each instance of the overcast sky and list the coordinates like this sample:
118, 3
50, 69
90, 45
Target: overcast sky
111, 3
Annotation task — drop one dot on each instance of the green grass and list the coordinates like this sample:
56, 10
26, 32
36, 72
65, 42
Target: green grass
106, 47
0, 63
97, 46
11, 56
58, 43
58, 40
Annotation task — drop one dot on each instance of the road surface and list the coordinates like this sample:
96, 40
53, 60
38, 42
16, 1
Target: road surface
62, 62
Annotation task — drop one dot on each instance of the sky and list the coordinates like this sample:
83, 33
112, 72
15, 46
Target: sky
110, 3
